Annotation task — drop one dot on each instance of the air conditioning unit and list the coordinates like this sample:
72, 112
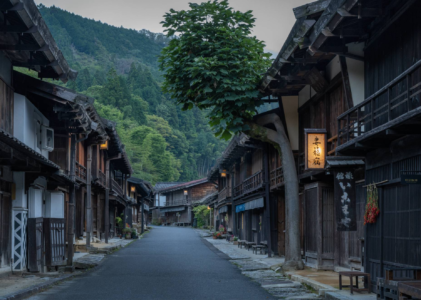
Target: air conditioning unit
47, 139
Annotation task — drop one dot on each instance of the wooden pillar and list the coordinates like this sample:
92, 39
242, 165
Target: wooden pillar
72, 191
89, 220
143, 216
98, 216
266, 214
107, 201
234, 214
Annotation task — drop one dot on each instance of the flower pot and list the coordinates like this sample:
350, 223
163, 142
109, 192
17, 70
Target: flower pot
128, 236
235, 242
214, 237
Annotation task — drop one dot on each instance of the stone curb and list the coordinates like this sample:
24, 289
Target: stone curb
335, 296
40, 287
317, 286
37, 288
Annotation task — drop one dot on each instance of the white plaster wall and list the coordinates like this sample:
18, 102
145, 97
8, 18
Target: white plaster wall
54, 205
35, 202
305, 94
20, 200
5, 69
291, 116
26, 116
162, 200
356, 79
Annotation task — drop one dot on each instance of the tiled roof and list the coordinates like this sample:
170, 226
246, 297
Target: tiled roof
16, 144
159, 186
184, 185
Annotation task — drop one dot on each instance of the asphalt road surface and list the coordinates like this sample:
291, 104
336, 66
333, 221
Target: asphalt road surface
168, 263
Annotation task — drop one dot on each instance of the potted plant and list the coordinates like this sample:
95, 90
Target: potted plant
215, 235
235, 240
134, 234
127, 233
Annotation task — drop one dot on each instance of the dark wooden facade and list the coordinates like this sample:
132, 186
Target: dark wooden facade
249, 210
181, 198
373, 115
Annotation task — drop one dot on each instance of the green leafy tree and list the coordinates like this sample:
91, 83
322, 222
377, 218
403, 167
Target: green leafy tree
202, 212
215, 64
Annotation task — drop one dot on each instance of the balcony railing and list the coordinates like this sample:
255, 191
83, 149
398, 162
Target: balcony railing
394, 100
249, 185
238, 190
176, 202
80, 172
116, 187
224, 194
253, 183
277, 177
102, 178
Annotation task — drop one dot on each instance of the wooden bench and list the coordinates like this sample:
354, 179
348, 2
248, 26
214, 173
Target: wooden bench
241, 243
409, 290
351, 275
249, 245
388, 287
258, 247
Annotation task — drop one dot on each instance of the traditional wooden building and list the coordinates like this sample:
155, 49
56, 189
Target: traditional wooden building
33, 185
180, 199
158, 217
244, 205
63, 169
142, 193
347, 75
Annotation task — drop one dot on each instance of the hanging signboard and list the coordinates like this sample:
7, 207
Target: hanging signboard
410, 177
345, 200
315, 151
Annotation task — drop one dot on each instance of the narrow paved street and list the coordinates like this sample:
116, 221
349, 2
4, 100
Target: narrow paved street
169, 263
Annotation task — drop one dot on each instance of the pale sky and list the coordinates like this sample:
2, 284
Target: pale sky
274, 18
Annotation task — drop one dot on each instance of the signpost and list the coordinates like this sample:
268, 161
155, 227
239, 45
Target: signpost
345, 200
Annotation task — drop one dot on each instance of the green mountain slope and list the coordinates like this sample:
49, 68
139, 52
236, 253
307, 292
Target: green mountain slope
118, 67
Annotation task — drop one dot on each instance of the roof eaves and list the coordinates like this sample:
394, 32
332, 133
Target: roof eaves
32, 18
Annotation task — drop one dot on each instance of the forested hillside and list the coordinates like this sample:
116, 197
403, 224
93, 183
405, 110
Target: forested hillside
118, 67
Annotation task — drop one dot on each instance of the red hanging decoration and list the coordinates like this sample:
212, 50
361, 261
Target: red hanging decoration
372, 208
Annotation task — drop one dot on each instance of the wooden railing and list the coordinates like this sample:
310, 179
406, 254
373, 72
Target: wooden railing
176, 202
253, 182
276, 177
224, 194
249, 185
102, 178
116, 187
238, 190
387, 104
80, 172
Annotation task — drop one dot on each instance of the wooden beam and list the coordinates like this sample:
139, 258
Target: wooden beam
18, 29
330, 19
346, 82
32, 63
311, 8
24, 47
300, 29
333, 49
316, 80
5, 7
